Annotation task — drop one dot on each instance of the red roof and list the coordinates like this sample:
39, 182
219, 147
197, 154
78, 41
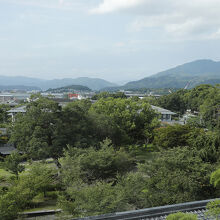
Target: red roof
73, 95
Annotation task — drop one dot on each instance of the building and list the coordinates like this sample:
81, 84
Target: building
158, 213
166, 115
7, 150
13, 112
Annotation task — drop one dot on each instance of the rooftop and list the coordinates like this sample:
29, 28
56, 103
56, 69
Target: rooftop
7, 150
162, 110
157, 213
21, 109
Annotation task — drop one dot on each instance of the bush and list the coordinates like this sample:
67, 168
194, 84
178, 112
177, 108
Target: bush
20, 194
182, 216
95, 165
213, 209
86, 200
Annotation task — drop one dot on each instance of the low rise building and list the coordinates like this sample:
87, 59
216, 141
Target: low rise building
166, 115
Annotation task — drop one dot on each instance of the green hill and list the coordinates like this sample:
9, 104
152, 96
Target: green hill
72, 88
191, 74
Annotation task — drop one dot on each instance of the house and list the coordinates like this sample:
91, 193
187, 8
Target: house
166, 115
13, 112
75, 96
7, 150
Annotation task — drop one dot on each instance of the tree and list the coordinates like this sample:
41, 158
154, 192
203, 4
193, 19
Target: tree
107, 95
90, 177
177, 175
91, 165
213, 207
210, 109
74, 127
41, 178
129, 121
33, 133
215, 178
172, 136
12, 163
86, 200
205, 144
174, 102
22, 191
3, 113
197, 95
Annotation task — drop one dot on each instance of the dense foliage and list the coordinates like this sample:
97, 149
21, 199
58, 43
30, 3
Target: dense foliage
204, 99
22, 191
114, 155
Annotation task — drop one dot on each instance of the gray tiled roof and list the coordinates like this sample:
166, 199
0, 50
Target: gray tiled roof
21, 109
6, 150
201, 214
157, 213
162, 110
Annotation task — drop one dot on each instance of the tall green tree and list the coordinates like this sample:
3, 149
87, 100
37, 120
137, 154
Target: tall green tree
12, 163
128, 121
74, 127
210, 109
177, 175
34, 132
91, 164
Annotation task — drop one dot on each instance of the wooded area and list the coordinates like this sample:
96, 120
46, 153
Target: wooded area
113, 155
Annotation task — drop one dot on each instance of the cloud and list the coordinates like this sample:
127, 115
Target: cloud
108, 6
72, 5
61, 2
177, 18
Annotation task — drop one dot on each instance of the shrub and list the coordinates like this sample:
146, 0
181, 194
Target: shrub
182, 216
213, 209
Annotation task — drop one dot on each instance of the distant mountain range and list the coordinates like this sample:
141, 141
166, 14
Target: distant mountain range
92, 83
72, 88
191, 74
18, 87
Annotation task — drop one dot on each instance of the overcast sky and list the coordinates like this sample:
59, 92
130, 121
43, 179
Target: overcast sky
117, 40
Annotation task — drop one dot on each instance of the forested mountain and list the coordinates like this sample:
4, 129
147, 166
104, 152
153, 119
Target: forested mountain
71, 88
92, 83
189, 74
193, 73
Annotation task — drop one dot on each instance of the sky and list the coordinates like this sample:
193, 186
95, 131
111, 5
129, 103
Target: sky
117, 40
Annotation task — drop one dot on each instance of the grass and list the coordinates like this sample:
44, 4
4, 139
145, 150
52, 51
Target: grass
40, 203
5, 174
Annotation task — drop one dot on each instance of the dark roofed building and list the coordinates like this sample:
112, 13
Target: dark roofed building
158, 213
14, 111
7, 150
166, 115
